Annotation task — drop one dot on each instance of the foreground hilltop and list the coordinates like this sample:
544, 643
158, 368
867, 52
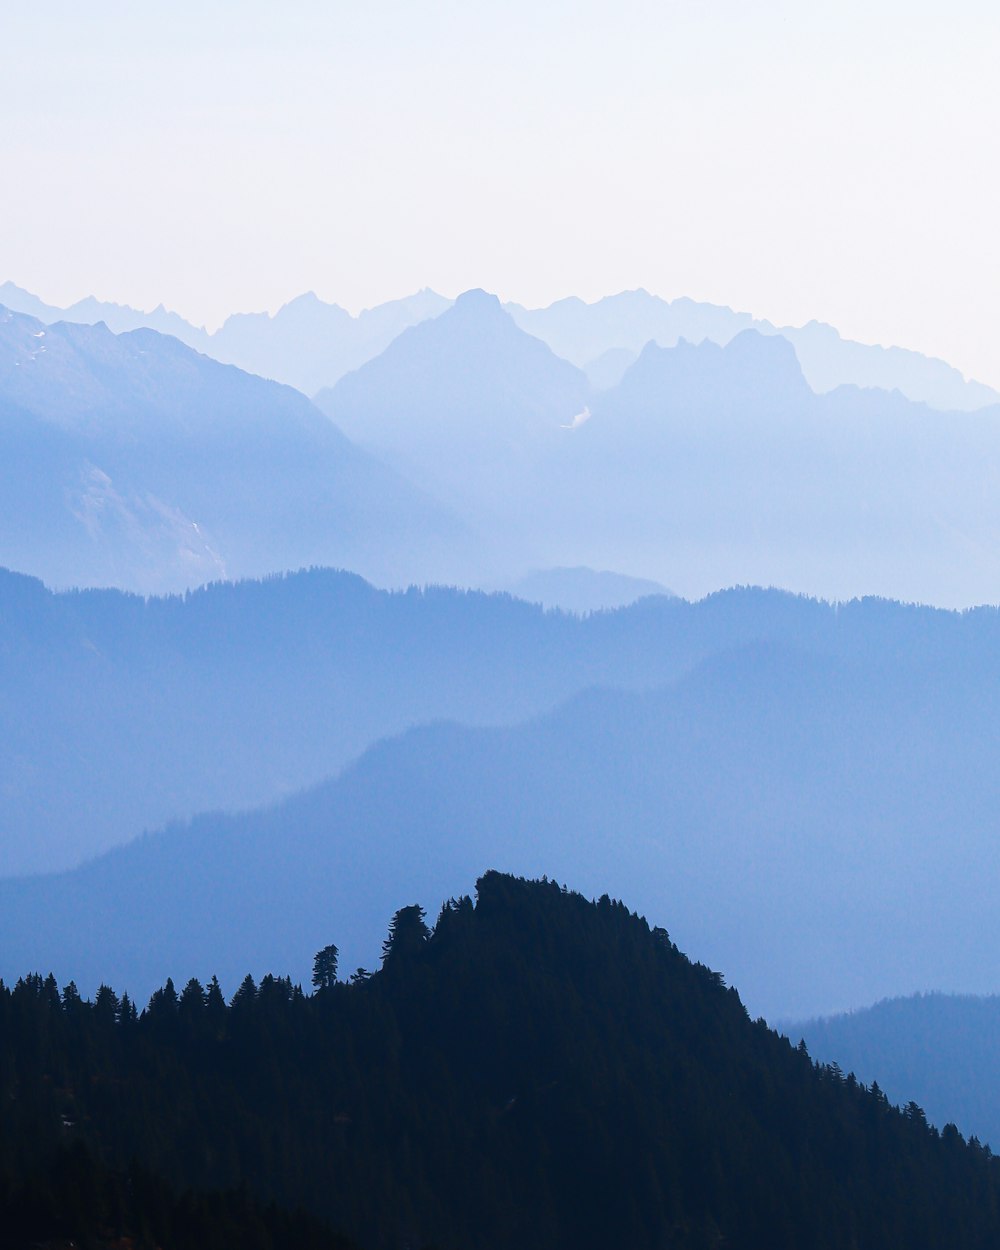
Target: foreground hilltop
540, 1071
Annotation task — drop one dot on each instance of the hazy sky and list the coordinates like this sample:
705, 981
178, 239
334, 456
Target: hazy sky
832, 160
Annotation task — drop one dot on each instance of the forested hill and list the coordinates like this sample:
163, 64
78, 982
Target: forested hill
540, 1071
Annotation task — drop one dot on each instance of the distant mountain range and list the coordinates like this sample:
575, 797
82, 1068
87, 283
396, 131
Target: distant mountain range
810, 795
474, 453
132, 460
584, 590
704, 466
623, 324
307, 344
310, 344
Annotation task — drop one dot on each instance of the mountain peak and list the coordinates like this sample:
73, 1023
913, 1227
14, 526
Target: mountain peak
478, 303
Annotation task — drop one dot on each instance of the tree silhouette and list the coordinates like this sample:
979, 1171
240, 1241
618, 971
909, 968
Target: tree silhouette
325, 967
407, 934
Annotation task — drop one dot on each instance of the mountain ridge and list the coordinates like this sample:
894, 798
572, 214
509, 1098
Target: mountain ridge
828, 359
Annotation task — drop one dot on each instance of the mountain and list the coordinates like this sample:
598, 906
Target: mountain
583, 589
467, 404
310, 344
712, 465
130, 460
829, 361
538, 1071
938, 1049
584, 333
119, 318
307, 343
815, 812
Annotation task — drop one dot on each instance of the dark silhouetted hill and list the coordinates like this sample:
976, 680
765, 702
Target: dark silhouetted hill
538, 1071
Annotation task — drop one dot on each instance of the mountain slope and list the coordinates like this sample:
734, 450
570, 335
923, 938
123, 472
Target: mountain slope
467, 403
540, 1072
131, 460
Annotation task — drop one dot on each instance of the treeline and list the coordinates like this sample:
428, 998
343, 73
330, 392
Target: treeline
537, 1071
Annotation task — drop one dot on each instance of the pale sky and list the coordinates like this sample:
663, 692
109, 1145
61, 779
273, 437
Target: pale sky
795, 160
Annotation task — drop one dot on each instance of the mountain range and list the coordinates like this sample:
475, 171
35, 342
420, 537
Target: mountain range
469, 452
704, 466
310, 344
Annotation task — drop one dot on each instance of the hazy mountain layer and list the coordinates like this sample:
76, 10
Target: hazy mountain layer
311, 344
704, 466
130, 460
938, 1049
152, 467
539, 1071
469, 406
121, 714
821, 825
584, 333
718, 465
583, 589
307, 343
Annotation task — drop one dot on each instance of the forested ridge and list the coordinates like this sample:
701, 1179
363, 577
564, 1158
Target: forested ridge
536, 1071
